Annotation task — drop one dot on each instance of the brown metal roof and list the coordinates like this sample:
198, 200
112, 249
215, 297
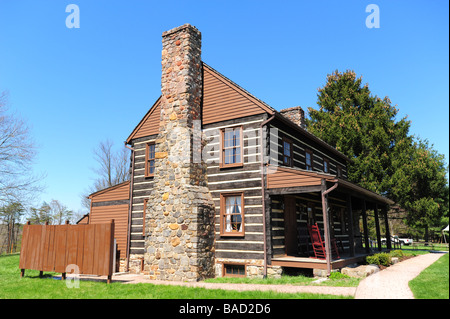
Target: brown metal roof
116, 192
285, 177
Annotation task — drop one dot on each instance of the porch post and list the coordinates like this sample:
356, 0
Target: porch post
326, 226
377, 226
351, 237
366, 231
386, 223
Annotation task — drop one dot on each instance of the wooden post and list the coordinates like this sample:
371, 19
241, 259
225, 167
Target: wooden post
386, 223
111, 253
366, 231
22, 253
377, 226
326, 226
351, 236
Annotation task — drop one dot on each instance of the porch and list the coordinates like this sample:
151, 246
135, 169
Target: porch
315, 263
299, 199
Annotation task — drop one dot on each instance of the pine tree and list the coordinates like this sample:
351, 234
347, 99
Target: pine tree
361, 126
386, 158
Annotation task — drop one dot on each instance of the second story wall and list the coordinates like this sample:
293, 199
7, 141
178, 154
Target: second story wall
305, 154
237, 238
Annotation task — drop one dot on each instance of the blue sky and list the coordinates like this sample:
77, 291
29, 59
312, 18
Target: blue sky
77, 87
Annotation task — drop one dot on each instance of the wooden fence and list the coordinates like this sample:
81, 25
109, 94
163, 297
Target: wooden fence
54, 247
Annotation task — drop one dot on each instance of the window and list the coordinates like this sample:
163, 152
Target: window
311, 213
231, 147
339, 171
326, 166
232, 214
231, 270
150, 160
309, 160
287, 152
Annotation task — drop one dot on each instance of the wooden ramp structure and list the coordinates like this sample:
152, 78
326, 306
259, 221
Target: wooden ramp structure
87, 248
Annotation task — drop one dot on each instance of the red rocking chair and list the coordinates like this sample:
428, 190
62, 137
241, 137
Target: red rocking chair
319, 245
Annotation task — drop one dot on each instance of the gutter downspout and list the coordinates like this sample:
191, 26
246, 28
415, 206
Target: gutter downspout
263, 192
326, 223
130, 205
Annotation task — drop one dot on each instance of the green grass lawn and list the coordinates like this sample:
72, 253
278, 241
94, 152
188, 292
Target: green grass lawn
33, 287
336, 280
433, 282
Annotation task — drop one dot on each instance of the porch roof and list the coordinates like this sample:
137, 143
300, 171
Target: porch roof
284, 180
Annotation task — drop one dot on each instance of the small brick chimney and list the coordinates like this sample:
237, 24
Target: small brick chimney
180, 210
296, 115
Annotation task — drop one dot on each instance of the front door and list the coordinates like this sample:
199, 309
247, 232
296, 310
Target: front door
290, 226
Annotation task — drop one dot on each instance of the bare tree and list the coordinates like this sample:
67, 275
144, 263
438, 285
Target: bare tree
59, 212
113, 168
17, 151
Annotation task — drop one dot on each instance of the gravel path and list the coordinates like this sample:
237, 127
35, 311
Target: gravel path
392, 282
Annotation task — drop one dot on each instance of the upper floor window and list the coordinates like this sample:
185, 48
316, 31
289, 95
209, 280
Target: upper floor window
150, 160
339, 171
231, 153
287, 152
309, 160
232, 214
326, 166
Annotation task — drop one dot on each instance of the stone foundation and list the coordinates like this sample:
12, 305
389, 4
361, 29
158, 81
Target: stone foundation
254, 268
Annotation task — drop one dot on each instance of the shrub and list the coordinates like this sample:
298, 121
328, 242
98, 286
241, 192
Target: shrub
379, 259
397, 253
384, 259
373, 259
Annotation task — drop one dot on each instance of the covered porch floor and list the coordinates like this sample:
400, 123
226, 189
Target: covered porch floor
315, 263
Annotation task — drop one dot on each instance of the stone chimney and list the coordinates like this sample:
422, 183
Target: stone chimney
296, 115
180, 210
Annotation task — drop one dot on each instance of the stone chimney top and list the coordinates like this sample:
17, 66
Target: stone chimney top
177, 29
296, 115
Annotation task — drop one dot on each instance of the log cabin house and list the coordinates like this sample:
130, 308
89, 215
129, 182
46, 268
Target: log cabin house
222, 184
